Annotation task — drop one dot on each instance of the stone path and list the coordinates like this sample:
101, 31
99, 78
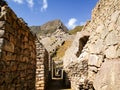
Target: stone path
57, 84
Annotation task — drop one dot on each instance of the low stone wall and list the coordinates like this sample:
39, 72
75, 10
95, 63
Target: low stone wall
17, 53
42, 71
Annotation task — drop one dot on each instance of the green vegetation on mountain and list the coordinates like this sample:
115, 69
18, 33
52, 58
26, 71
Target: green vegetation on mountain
76, 29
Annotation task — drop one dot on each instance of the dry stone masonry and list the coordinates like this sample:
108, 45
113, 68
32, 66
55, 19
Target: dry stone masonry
75, 49
23, 59
17, 52
42, 70
97, 67
91, 63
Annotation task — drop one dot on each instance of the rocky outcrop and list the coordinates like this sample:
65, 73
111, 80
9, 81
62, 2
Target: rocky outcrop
49, 28
108, 76
17, 52
52, 35
52, 42
75, 49
53, 26
55, 40
97, 67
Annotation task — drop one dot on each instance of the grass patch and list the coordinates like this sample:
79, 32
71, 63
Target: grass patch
61, 50
76, 29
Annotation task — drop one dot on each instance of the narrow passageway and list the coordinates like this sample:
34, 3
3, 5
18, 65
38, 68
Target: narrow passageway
57, 84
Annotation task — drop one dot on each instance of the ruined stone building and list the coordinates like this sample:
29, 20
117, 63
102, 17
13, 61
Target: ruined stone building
17, 52
98, 63
20, 54
91, 63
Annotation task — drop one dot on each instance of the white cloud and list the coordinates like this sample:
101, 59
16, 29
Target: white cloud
30, 3
72, 23
44, 6
18, 1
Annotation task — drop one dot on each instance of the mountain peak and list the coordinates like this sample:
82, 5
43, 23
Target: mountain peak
54, 25
50, 27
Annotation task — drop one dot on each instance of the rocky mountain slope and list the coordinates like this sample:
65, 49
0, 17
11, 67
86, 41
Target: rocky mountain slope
49, 27
52, 35
98, 62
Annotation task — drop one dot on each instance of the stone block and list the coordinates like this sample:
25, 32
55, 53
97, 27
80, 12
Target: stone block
104, 34
8, 46
25, 59
97, 47
111, 52
8, 78
3, 65
22, 66
40, 88
2, 32
12, 39
93, 69
25, 39
13, 66
9, 28
112, 38
6, 35
2, 24
1, 42
108, 78
15, 25
40, 82
100, 29
118, 51
6, 55
114, 16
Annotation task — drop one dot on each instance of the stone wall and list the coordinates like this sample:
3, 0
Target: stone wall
98, 64
42, 71
17, 52
75, 49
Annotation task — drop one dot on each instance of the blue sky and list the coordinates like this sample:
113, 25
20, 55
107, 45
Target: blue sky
38, 12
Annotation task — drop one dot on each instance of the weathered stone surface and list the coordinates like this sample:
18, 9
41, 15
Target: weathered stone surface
111, 52
118, 51
74, 51
8, 46
100, 29
52, 35
17, 65
96, 47
114, 16
104, 34
108, 78
2, 33
42, 67
95, 60
112, 38
1, 42
98, 62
